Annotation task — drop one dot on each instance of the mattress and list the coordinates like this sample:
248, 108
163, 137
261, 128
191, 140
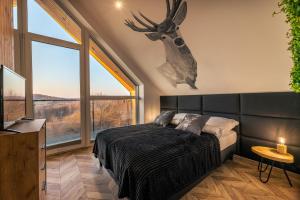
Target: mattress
227, 140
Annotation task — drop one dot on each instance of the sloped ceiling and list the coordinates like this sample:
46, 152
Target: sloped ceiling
238, 45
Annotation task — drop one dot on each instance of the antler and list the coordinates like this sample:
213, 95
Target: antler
148, 28
168, 8
175, 5
148, 20
132, 25
143, 23
153, 27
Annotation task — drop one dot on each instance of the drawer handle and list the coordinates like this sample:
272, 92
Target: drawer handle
43, 146
44, 186
44, 167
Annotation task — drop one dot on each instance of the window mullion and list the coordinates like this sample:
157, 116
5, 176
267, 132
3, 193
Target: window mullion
54, 41
85, 88
112, 97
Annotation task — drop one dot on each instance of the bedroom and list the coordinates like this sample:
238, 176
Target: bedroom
93, 68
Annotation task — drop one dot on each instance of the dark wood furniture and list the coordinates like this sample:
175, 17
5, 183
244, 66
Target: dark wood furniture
23, 161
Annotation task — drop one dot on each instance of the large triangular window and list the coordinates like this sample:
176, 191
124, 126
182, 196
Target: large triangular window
113, 102
46, 18
106, 79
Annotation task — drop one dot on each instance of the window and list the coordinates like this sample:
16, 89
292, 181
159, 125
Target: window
103, 83
55, 70
76, 101
15, 14
56, 90
111, 113
46, 18
115, 80
112, 93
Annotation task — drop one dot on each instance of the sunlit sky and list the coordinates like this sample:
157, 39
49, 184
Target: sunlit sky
56, 70
13, 86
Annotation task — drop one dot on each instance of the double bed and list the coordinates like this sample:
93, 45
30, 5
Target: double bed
151, 162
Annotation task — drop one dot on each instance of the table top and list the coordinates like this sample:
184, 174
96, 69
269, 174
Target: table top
272, 154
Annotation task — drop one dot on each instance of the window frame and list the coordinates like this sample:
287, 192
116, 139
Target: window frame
62, 44
24, 55
29, 38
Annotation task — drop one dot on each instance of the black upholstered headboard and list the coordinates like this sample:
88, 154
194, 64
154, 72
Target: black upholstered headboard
263, 117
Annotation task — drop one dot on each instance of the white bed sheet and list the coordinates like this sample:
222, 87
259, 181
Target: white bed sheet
227, 140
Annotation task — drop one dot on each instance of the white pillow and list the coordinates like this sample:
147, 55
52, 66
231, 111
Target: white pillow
213, 130
178, 118
225, 133
219, 126
217, 131
222, 123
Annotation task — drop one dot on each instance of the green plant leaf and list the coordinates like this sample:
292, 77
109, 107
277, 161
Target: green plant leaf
292, 10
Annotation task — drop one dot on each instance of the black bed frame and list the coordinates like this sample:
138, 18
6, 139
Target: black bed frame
263, 117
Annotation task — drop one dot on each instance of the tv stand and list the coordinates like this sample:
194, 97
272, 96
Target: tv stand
11, 130
27, 118
23, 166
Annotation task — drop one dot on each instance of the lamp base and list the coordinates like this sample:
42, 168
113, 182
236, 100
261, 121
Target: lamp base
281, 148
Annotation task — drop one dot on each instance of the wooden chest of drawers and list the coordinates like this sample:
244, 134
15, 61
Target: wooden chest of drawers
23, 161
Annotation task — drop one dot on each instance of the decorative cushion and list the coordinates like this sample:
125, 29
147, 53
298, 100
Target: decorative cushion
164, 118
193, 123
192, 115
178, 118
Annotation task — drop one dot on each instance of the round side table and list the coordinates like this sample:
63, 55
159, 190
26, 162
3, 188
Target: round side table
272, 155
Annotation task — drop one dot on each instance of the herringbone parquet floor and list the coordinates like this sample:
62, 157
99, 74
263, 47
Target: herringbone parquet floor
76, 175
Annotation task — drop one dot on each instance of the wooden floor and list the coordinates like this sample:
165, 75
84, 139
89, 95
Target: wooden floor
76, 175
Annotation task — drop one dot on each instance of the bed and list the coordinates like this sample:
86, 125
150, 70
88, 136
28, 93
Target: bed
151, 162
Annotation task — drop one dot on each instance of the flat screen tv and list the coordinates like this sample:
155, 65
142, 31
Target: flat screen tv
12, 97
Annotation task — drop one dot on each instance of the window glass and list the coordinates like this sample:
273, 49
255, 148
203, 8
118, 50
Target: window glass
111, 113
47, 18
56, 90
15, 14
103, 83
106, 79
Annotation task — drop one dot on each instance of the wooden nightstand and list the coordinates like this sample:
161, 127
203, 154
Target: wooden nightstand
272, 155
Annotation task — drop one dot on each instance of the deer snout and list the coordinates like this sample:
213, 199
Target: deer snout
179, 41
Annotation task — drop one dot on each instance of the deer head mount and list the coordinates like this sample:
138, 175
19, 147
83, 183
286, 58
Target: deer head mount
180, 66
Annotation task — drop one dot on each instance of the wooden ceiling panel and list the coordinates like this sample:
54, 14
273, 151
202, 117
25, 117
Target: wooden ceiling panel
66, 22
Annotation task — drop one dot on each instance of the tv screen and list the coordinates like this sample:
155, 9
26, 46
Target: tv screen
13, 97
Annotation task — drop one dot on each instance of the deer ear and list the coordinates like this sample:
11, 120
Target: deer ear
180, 14
153, 36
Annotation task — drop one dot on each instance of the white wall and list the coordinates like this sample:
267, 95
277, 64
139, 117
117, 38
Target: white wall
238, 45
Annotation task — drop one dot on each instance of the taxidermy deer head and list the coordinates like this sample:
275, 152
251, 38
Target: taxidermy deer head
180, 66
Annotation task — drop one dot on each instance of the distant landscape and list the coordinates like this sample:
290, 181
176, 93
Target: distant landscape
14, 110
63, 116
14, 106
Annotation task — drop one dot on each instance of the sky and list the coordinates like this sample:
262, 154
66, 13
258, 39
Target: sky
56, 70
13, 85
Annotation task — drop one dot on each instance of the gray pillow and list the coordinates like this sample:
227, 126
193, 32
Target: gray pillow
193, 123
164, 118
